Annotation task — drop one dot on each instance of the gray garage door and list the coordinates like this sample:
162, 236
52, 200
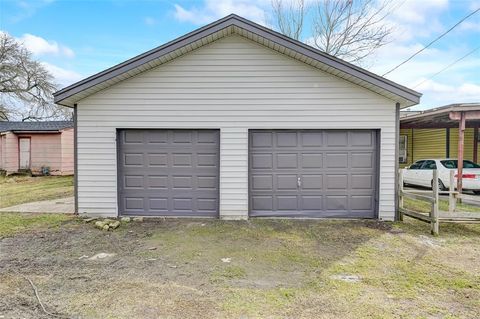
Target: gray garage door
168, 172
313, 173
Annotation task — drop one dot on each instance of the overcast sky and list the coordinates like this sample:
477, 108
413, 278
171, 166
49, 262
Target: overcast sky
75, 39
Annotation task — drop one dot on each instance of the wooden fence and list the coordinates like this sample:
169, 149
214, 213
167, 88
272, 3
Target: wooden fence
435, 216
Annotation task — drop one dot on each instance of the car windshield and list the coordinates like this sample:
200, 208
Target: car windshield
452, 164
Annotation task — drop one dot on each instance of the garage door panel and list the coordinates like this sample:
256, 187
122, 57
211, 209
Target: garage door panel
337, 182
262, 182
337, 139
311, 182
362, 160
169, 173
362, 181
286, 182
133, 137
157, 137
262, 140
262, 161
336, 160
312, 202
361, 202
133, 159
158, 204
134, 203
134, 181
336, 202
313, 173
286, 139
312, 160
362, 139
289, 160
157, 159
262, 203
287, 203
311, 139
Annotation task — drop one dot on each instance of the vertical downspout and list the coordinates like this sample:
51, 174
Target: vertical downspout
447, 143
75, 157
397, 152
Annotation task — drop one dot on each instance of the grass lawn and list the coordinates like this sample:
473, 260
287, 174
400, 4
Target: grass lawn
11, 223
274, 269
16, 190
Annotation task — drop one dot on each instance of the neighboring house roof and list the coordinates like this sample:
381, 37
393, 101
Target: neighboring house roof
229, 25
439, 117
49, 126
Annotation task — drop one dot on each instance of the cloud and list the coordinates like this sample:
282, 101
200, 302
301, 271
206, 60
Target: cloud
39, 46
470, 26
212, 10
150, 21
28, 8
443, 94
62, 76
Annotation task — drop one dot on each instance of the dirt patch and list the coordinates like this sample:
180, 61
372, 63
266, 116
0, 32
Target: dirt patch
275, 268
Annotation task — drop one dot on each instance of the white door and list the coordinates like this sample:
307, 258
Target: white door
24, 144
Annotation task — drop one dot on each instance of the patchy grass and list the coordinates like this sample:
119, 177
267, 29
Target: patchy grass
426, 207
11, 223
16, 190
277, 269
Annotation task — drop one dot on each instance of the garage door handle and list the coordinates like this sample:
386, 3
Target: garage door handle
299, 182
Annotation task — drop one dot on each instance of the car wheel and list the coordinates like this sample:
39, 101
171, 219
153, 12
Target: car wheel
441, 186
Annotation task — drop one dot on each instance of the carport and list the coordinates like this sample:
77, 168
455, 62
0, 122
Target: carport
450, 116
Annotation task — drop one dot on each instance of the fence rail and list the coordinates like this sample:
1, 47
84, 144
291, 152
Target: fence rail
435, 215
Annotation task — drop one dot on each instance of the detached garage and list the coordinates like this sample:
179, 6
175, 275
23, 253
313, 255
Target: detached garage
236, 120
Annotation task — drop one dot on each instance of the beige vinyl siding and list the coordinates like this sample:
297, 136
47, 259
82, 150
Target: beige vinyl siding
232, 84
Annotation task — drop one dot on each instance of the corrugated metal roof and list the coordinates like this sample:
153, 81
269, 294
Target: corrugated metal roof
35, 126
234, 24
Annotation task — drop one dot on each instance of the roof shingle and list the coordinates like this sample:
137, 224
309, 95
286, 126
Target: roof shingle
35, 126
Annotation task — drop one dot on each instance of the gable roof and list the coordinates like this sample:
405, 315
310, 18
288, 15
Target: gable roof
49, 126
229, 25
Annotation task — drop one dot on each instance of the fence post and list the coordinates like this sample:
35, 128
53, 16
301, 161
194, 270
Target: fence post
400, 194
452, 199
434, 214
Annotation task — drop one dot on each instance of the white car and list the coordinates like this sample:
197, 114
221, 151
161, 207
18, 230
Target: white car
420, 173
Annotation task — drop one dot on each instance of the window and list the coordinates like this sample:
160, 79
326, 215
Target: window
429, 165
403, 149
453, 164
417, 165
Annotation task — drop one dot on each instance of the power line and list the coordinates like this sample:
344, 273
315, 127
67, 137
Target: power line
435, 40
447, 67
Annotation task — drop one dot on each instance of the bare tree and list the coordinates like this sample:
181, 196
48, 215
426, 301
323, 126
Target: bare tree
26, 87
289, 16
348, 29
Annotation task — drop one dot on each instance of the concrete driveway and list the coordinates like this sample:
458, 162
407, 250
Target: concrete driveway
61, 205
